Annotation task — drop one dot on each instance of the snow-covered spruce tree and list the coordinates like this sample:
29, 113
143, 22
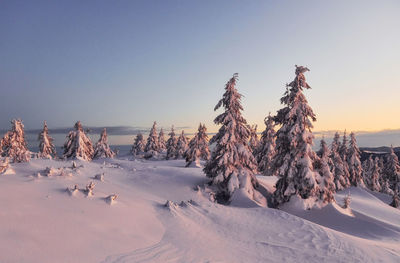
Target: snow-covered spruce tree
253, 140
204, 144
181, 146
46, 146
354, 163
295, 159
343, 147
326, 183
383, 180
198, 147
78, 145
392, 170
14, 144
138, 145
375, 176
102, 149
340, 171
367, 167
171, 144
395, 200
161, 141
265, 151
232, 164
152, 147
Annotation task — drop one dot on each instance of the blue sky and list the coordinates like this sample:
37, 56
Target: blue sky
128, 63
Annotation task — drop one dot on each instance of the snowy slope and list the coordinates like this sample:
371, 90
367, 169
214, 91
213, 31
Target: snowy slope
41, 222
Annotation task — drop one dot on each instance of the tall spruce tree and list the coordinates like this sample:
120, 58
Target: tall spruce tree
232, 164
181, 146
138, 145
152, 146
46, 146
295, 159
14, 145
392, 171
340, 171
102, 149
161, 141
265, 151
171, 144
354, 163
78, 145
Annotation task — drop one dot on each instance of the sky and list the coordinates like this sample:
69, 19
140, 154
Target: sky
129, 63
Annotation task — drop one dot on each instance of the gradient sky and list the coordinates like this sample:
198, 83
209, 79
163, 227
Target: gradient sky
111, 63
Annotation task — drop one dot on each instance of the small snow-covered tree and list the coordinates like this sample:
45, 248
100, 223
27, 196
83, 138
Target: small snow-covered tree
14, 145
204, 144
340, 171
392, 170
161, 141
395, 199
138, 145
198, 147
253, 140
102, 149
343, 147
265, 151
78, 144
367, 167
295, 159
152, 147
181, 146
46, 146
171, 144
375, 176
326, 183
354, 163
232, 164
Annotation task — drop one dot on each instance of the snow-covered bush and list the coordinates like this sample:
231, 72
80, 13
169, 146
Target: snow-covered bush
78, 145
346, 201
14, 145
265, 151
46, 146
232, 164
101, 148
294, 160
111, 198
4, 164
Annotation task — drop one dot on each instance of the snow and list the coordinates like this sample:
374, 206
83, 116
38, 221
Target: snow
41, 222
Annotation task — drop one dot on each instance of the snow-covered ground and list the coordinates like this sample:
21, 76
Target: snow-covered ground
40, 221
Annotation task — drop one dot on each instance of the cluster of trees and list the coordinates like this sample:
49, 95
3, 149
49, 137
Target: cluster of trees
288, 154
77, 145
175, 147
238, 154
